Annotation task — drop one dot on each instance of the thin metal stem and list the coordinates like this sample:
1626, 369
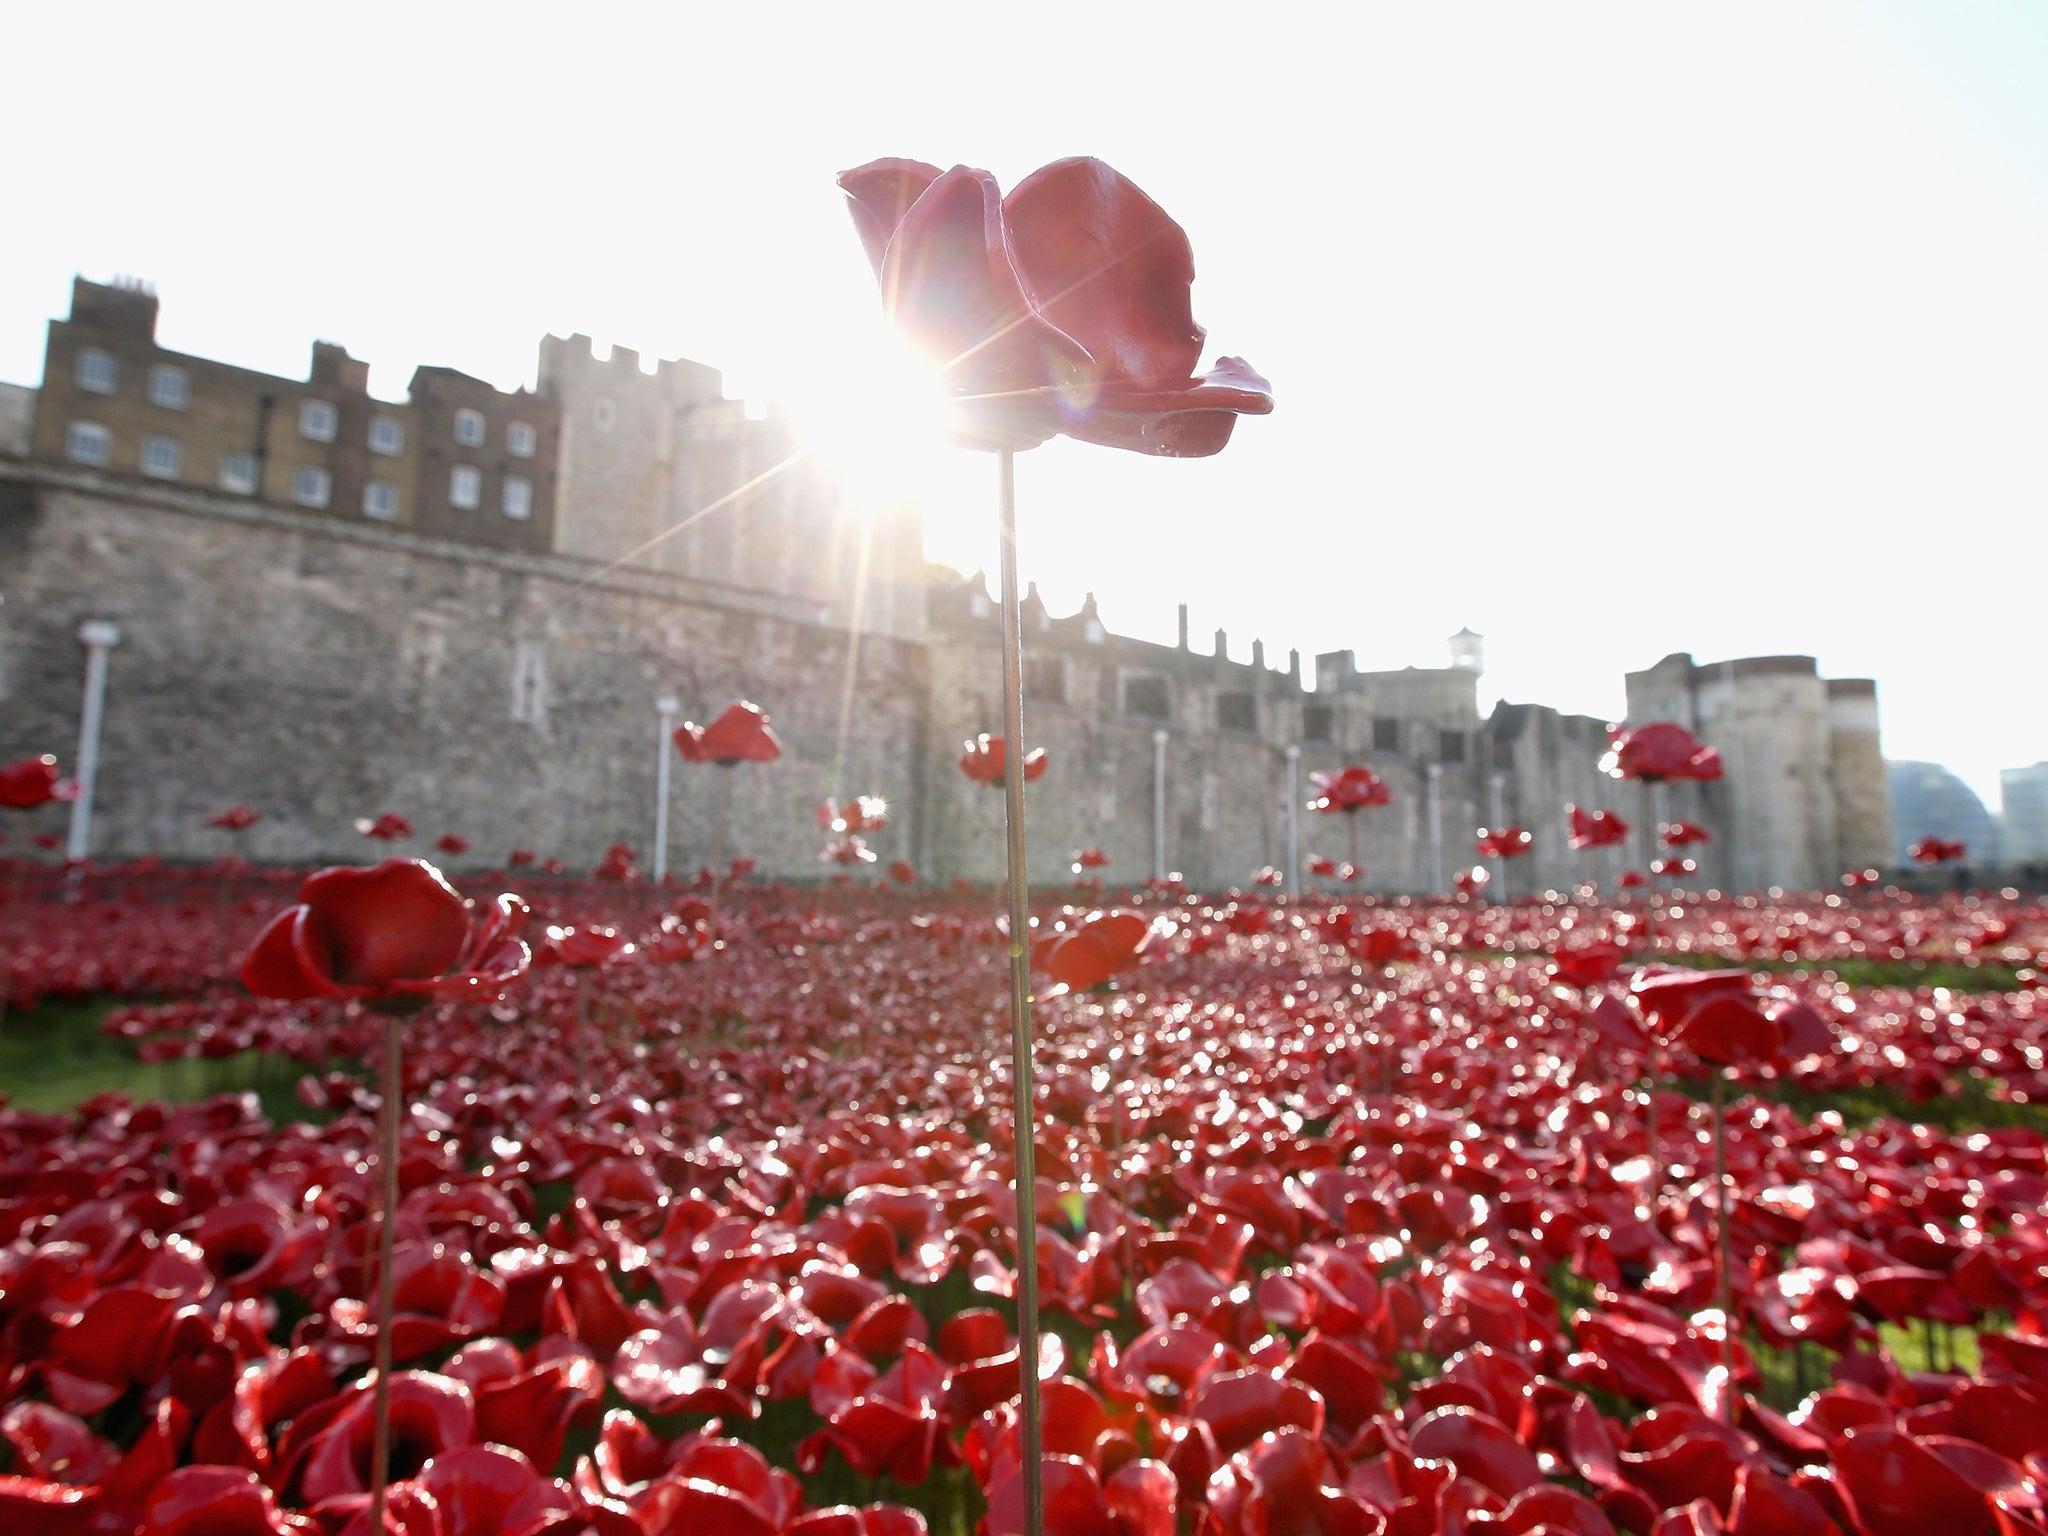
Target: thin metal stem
1650, 944
388, 1113
1022, 1106
1724, 1297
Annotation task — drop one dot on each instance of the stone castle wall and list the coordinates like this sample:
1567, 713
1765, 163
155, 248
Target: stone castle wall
325, 673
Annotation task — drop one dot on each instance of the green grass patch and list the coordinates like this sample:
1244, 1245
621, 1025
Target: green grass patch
1970, 1107
1865, 971
53, 1057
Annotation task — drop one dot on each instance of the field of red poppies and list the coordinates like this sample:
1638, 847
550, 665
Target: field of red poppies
1352, 1222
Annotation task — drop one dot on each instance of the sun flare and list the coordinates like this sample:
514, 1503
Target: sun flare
877, 420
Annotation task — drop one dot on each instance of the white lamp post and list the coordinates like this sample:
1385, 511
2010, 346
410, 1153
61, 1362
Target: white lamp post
1436, 828
1159, 805
99, 637
666, 708
1294, 818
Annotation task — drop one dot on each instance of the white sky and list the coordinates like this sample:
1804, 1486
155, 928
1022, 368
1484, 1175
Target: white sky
1608, 330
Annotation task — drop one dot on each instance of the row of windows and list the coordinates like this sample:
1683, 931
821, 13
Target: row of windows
99, 373
87, 442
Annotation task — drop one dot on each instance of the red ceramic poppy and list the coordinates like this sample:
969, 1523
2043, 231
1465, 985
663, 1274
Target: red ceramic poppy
1596, 829
1937, 850
29, 783
1657, 752
584, 945
387, 828
863, 813
452, 843
519, 858
847, 851
1633, 880
1586, 965
741, 734
1505, 842
236, 818
1356, 788
1683, 834
1089, 858
396, 929
617, 864
903, 872
1855, 879
1103, 944
1062, 308
985, 760
1470, 882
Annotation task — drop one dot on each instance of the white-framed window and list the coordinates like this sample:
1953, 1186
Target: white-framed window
169, 387
518, 498
87, 442
163, 457
238, 473
311, 487
469, 428
317, 420
96, 371
465, 487
520, 439
387, 435
380, 499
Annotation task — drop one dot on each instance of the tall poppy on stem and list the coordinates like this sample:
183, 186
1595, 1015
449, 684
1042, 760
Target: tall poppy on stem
1661, 751
1502, 844
1347, 792
396, 937
1714, 1014
740, 734
1061, 308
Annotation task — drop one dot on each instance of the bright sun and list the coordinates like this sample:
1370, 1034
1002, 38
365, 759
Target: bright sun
876, 418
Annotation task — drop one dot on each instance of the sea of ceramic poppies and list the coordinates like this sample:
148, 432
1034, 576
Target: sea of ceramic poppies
1357, 1217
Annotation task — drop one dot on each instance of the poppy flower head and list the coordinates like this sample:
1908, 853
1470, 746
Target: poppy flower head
1659, 751
29, 783
617, 864
1937, 850
1596, 829
387, 828
847, 851
1100, 945
236, 818
863, 813
1348, 790
1505, 842
397, 928
1683, 834
452, 843
740, 734
985, 759
1062, 308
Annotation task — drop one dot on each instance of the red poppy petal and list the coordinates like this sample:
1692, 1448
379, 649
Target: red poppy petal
397, 921
880, 193
1105, 264
953, 291
273, 967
